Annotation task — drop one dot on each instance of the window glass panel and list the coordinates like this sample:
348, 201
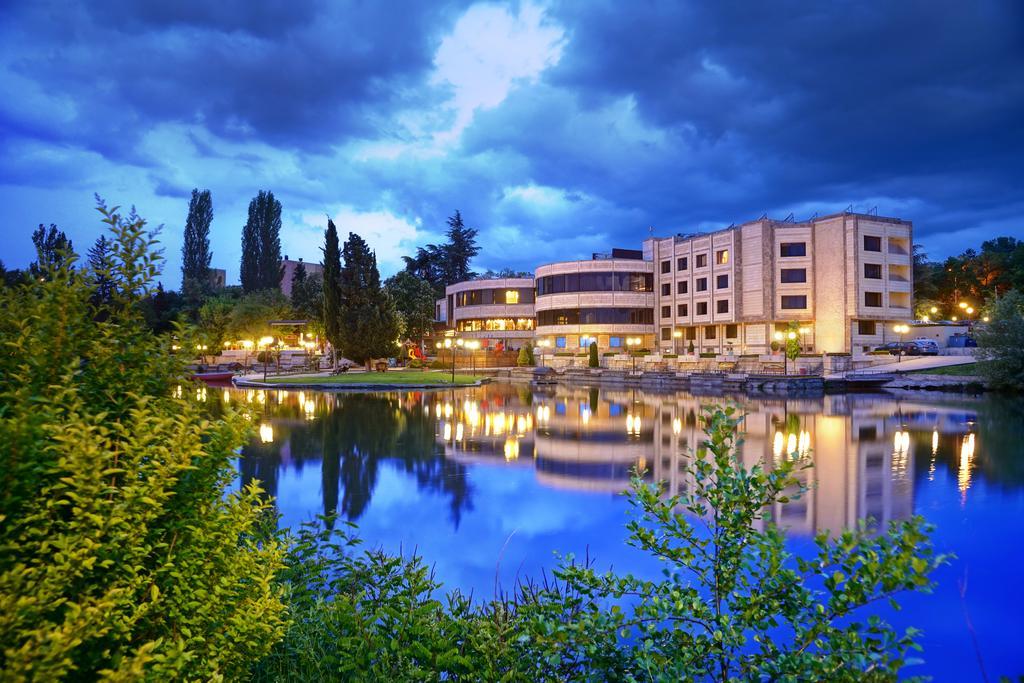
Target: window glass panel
722, 282
732, 331
682, 309
709, 332
681, 263
789, 275
866, 327
666, 289
722, 305
702, 284
511, 296
702, 308
682, 286
873, 271
560, 342
873, 299
722, 256
794, 302
666, 266
872, 243
789, 249
701, 261
666, 311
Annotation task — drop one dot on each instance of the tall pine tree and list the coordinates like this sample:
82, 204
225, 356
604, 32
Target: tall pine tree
261, 245
460, 250
101, 267
53, 250
332, 289
195, 252
370, 324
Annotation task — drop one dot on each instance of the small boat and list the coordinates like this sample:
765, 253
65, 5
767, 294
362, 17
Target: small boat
211, 377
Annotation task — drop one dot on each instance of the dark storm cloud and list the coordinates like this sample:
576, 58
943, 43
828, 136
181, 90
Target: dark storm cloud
295, 74
672, 115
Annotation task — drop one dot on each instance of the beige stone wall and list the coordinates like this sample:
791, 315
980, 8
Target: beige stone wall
830, 312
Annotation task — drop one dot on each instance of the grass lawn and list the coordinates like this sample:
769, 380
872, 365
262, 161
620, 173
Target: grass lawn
390, 377
951, 370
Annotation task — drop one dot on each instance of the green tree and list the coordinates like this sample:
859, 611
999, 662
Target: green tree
261, 244
460, 250
370, 322
592, 360
308, 299
195, 250
414, 299
101, 263
124, 555
53, 251
523, 360
251, 315
215, 321
332, 315
999, 342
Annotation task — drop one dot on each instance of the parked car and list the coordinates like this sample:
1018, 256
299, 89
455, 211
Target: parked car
900, 349
927, 347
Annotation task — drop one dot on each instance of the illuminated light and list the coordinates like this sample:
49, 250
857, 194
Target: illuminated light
791, 444
521, 424
261, 397
177, 391
310, 409
459, 431
447, 431
970, 311
426, 409
585, 416
201, 394
302, 397
266, 433
985, 319
511, 448
226, 397
777, 444
962, 304
677, 426
966, 463
935, 441
266, 341
247, 344
284, 395
953, 318
447, 410
934, 310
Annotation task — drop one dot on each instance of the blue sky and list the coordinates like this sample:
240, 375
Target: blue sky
558, 128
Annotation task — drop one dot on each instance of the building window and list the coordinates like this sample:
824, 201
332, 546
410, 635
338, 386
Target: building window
666, 266
866, 327
666, 311
873, 299
691, 333
560, 342
511, 296
682, 287
722, 282
702, 284
666, 334
873, 271
789, 275
722, 305
710, 331
615, 342
732, 331
790, 249
722, 256
702, 308
682, 310
872, 243
666, 289
794, 301
702, 261
681, 263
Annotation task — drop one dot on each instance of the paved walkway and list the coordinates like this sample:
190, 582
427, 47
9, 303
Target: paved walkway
908, 363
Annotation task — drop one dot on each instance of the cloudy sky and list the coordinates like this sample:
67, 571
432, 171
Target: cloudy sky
557, 128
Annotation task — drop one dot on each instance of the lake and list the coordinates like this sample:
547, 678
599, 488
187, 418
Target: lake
488, 483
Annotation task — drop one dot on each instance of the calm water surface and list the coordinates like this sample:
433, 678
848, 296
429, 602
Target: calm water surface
487, 483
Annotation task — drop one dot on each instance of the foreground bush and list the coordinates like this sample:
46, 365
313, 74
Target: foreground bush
121, 557
733, 603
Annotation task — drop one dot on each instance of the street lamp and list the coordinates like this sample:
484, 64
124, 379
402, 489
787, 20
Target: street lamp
677, 334
265, 342
472, 345
631, 342
900, 330
543, 344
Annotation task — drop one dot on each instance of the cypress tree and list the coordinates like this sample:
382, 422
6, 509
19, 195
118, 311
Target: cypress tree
369, 319
332, 288
460, 250
195, 251
261, 244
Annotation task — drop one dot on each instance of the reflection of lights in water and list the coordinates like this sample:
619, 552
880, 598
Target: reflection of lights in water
777, 445
302, 398
201, 394
677, 425
266, 433
447, 410
227, 397
261, 397
284, 395
426, 409
177, 391
935, 441
511, 448
633, 425
447, 431
459, 431
310, 408
521, 424
966, 463
585, 416
791, 444
900, 449
543, 414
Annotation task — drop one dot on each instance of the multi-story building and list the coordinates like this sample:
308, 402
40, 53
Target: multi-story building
498, 312
844, 280
607, 300
289, 267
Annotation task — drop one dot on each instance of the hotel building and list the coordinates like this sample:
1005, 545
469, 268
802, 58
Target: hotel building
842, 280
498, 312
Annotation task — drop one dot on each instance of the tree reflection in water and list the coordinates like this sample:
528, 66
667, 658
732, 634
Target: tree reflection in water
352, 435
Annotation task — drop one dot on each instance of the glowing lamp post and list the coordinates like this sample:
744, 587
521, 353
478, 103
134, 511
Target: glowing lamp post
472, 345
900, 330
677, 335
265, 342
632, 342
543, 344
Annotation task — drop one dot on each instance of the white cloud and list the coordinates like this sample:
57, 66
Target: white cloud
389, 235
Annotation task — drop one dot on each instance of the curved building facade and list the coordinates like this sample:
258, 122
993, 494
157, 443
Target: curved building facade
606, 300
499, 312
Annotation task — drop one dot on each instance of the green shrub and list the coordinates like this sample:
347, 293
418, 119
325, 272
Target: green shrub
670, 355
708, 354
690, 347
999, 342
593, 361
524, 358
415, 363
439, 365
123, 556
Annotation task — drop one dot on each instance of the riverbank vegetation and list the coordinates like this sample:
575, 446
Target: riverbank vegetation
127, 553
395, 377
